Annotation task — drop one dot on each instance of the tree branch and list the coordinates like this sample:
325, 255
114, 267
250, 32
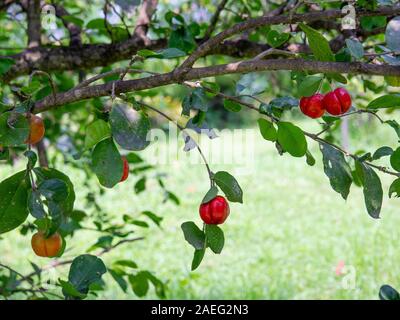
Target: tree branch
199, 73
73, 29
143, 22
280, 19
214, 20
34, 23
94, 55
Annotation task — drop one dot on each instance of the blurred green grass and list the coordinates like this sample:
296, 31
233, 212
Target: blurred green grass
284, 242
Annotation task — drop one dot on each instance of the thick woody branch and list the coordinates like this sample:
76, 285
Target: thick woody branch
90, 56
199, 73
207, 46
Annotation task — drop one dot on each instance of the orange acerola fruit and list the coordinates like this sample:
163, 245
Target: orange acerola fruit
36, 131
46, 247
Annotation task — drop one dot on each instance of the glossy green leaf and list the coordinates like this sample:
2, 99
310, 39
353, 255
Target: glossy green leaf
13, 201
129, 127
292, 139
318, 44
309, 86
211, 194
386, 101
267, 129
85, 270
96, 132
373, 193
232, 106
337, 169
107, 163
193, 234
395, 159
355, 47
14, 129
229, 186
197, 258
139, 284
215, 238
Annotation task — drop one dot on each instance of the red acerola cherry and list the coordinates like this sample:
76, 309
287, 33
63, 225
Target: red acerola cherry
337, 102
312, 106
125, 173
215, 211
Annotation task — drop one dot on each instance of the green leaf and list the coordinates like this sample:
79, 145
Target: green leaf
393, 81
392, 34
382, 152
395, 188
309, 86
140, 185
232, 106
126, 263
42, 174
211, 194
395, 125
386, 292
310, 159
292, 139
373, 193
96, 132
198, 258
395, 159
74, 20
355, 47
5, 65
32, 159
85, 270
278, 105
35, 204
96, 24
267, 129
275, 38
229, 186
159, 286
215, 238
117, 275
129, 127
107, 163
193, 234
70, 291
337, 169
386, 101
14, 129
54, 189
139, 283
318, 44
373, 22
13, 201
153, 217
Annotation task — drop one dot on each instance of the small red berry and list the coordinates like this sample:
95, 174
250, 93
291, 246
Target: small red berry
312, 106
337, 102
125, 173
215, 211
344, 98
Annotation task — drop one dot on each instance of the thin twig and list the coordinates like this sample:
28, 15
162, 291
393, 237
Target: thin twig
214, 19
181, 128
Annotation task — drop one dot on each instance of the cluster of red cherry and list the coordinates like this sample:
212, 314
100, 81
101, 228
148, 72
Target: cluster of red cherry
335, 102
